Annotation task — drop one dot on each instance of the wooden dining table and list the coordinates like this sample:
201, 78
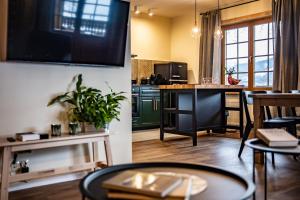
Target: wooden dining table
275, 99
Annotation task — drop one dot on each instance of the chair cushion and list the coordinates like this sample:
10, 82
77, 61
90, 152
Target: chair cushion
279, 122
295, 118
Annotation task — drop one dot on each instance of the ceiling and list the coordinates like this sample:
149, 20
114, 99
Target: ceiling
173, 8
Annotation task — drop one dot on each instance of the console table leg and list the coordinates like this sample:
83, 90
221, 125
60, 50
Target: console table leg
91, 153
266, 173
6, 159
108, 151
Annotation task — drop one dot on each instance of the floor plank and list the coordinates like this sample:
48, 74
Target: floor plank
284, 179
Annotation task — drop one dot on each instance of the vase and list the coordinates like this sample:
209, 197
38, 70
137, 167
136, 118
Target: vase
55, 129
73, 128
233, 81
106, 127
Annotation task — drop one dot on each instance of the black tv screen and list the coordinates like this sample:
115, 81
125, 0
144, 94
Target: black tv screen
90, 32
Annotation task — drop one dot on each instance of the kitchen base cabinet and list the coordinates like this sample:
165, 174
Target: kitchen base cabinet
150, 112
149, 109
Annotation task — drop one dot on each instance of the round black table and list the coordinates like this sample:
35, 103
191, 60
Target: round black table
221, 184
258, 145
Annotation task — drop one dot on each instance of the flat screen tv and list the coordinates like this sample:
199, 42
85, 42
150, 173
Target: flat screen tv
91, 32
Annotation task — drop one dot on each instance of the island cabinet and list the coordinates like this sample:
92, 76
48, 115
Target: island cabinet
186, 109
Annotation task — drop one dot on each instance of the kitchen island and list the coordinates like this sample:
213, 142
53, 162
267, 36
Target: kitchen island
188, 108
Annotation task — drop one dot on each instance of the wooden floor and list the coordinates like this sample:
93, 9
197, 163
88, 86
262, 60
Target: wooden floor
284, 179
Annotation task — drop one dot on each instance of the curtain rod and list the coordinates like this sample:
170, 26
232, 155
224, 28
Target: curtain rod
233, 6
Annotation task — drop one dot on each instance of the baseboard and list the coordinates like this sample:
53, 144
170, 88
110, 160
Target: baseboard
47, 181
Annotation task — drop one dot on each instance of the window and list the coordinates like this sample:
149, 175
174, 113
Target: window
92, 20
94, 17
65, 15
263, 55
248, 49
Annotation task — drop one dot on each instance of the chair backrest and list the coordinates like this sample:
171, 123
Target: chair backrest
279, 109
248, 100
293, 108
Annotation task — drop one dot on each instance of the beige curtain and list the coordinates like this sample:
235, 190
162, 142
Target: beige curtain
286, 19
210, 48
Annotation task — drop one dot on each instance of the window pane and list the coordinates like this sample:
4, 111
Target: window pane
243, 65
84, 16
243, 49
231, 51
231, 63
261, 48
243, 34
261, 79
261, 31
244, 79
270, 78
270, 30
271, 63
88, 9
101, 18
271, 47
102, 10
104, 2
261, 63
91, 1
231, 36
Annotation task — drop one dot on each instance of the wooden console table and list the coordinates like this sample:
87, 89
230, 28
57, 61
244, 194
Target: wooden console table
65, 140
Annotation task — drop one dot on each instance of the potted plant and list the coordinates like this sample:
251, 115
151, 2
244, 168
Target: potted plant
87, 105
231, 80
110, 107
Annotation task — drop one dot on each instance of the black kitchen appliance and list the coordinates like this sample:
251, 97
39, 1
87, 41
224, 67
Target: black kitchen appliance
173, 72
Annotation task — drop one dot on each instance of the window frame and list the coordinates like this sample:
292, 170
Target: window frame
250, 24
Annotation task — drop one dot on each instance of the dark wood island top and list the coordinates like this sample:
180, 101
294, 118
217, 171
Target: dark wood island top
198, 86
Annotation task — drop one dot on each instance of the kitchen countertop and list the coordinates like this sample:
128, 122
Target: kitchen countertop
197, 86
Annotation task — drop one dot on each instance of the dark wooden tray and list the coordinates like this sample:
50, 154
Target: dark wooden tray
222, 184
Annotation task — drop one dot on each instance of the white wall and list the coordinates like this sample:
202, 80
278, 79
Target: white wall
25, 90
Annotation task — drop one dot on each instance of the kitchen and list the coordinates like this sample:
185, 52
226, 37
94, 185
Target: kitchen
167, 37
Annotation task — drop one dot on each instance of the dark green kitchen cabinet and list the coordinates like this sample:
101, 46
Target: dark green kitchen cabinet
146, 107
150, 111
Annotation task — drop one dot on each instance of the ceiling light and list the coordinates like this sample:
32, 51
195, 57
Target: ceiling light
195, 29
136, 10
218, 32
150, 12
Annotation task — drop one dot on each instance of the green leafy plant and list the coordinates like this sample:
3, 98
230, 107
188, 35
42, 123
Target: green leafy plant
230, 71
87, 104
110, 106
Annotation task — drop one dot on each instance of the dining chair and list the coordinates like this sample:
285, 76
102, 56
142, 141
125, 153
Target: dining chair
293, 108
267, 123
280, 111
